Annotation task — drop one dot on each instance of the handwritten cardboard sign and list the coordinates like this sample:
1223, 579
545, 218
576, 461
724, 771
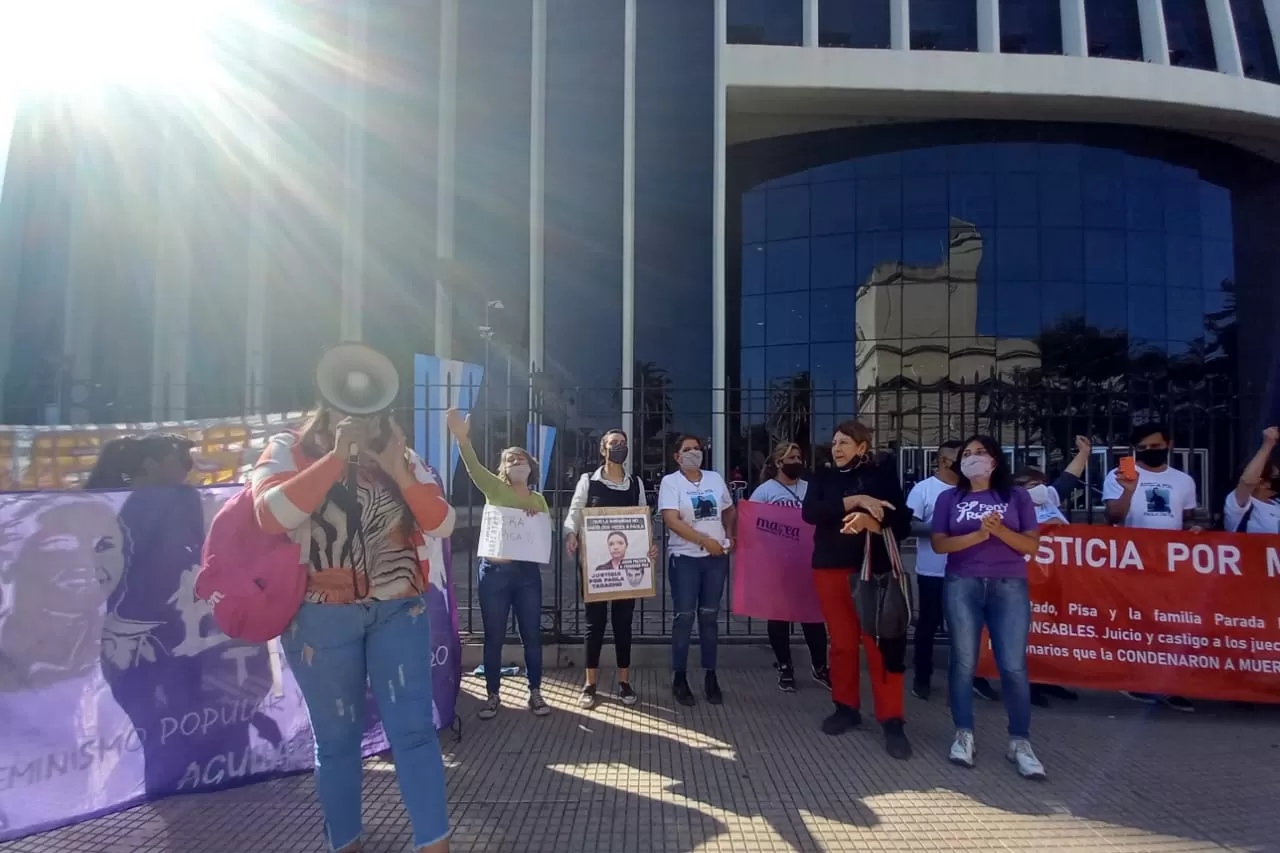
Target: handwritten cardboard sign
615, 554
513, 534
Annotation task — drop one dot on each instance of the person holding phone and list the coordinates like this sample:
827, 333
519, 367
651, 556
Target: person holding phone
1144, 492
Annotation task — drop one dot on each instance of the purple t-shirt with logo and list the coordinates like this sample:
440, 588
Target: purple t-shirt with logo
957, 514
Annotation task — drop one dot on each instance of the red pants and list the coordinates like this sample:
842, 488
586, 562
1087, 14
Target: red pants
836, 599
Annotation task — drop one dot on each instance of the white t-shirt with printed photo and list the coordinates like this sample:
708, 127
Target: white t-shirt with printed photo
922, 499
1159, 501
1265, 517
776, 492
700, 505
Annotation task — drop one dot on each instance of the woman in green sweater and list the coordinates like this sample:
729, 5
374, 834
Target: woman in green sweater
507, 584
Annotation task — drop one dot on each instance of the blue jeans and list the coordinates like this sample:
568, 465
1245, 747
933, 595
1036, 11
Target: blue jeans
504, 586
1004, 605
332, 649
697, 584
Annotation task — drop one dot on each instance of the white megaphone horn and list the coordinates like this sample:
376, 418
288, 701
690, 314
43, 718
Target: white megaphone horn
357, 380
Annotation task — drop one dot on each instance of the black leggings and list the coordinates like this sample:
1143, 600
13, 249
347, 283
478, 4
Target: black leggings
597, 618
815, 637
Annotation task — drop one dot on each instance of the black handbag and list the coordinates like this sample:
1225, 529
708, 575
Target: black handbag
883, 601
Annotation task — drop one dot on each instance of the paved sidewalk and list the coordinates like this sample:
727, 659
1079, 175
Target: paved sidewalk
755, 775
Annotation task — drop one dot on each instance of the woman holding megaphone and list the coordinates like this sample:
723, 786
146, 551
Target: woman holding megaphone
363, 620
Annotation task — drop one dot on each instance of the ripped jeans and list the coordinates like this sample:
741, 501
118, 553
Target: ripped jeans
697, 584
332, 649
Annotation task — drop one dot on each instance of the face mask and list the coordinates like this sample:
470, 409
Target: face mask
518, 474
792, 470
977, 466
618, 455
691, 460
1156, 457
1039, 494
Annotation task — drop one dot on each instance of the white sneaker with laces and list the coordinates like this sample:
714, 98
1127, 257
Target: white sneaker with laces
962, 748
490, 708
1024, 757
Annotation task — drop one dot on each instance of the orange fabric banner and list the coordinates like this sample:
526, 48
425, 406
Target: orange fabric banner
1156, 611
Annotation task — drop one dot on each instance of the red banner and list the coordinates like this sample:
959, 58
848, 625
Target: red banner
1190, 614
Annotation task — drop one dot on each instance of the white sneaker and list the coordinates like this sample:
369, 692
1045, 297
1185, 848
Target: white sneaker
962, 748
490, 708
1024, 757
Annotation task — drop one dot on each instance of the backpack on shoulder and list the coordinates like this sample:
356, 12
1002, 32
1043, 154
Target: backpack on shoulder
254, 580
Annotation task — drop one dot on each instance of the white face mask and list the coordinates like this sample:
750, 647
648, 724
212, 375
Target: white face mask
1039, 494
691, 460
518, 474
977, 466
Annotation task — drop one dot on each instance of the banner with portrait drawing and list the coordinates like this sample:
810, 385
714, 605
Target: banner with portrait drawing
616, 543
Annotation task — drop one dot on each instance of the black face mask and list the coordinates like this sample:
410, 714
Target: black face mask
1153, 457
792, 470
618, 455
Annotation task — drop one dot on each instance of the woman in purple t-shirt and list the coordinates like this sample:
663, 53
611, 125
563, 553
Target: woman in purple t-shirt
987, 528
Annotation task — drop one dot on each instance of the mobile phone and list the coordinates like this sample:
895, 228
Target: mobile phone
1128, 468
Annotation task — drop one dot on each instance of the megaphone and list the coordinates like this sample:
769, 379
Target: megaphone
357, 380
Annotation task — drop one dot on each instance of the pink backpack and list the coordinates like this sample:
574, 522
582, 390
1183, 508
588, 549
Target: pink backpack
254, 580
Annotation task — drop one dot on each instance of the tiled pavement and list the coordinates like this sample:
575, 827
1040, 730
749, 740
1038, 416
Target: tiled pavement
756, 775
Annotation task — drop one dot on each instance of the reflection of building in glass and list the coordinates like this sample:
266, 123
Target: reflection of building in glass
918, 330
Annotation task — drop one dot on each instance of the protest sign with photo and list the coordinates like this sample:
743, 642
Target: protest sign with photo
1155, 611
615, 554
514, 534
772, 578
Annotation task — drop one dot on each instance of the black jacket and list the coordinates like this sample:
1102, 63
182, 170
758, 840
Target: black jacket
824, 509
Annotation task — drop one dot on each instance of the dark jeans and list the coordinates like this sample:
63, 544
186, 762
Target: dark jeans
597, 618
505, 587
1004, 606
697, 585
815, 637
928, 623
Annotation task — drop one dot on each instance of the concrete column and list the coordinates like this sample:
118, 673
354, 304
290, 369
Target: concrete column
1225, 45
353, 177
989, 26
719, 339
1155, 39
810, 23
537, 185
900, 24
1273, 22
261, 197
629, 220
172, 299
446, 175
1075, 36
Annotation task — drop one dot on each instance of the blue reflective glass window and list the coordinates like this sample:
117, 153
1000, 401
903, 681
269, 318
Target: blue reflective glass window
1147, 314
1059, 157
877, 250
831, 315
844, 170
753, 321
1017, 254
879, 165
973, 157
1144, 205
1184, 315
752, 373
1018, 309
924, 201
1217, 264
1144, 258
879, 313
754, 212
831, 261
832, 208
925, 247
1115, 31
1190, 38
1017, 200
787, 319
1062, 254
925, 161
879, 204
788, 213
853, 23
1102, 200
787, 266
944, 25
1215, 212
832, 366
1104, 261
1060, 302
753, 268
1030, 26
783, 363
1060, 200
765, 21
1106, 308
1182, 207
1257, 48
1017, 156
988, 306
1182, 266
973, 199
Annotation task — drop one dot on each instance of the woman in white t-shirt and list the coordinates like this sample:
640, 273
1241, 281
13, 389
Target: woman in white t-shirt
1253, 507
698, 512
781, 484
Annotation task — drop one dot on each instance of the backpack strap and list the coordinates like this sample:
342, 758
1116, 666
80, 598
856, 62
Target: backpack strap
1244, 519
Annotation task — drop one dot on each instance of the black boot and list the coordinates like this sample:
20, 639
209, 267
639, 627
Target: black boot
841, 720
711, 685
895, 740
680, 689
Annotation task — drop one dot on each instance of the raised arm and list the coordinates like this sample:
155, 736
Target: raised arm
1252, 474
284, 496
493, 487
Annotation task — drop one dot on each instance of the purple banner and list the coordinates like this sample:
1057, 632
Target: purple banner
116, 687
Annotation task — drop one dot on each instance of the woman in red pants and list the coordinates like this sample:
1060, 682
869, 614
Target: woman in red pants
856, 485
